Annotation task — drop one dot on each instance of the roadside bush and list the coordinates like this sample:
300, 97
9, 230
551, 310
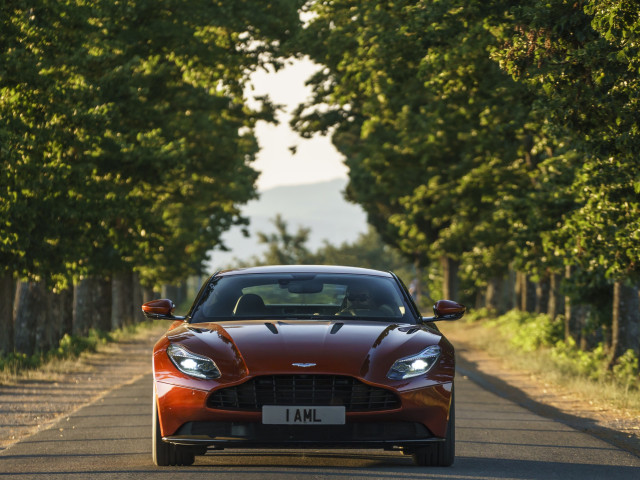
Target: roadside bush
527, 331
626, 371
570, 360
70, 346
478, 314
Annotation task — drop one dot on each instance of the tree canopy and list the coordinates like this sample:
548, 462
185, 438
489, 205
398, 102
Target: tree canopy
491, 134
487, 135
126, 138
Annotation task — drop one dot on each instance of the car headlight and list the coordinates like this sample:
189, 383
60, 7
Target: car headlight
415, 365
192, 364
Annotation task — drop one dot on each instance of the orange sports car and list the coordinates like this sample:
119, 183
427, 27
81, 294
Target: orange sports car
303, 356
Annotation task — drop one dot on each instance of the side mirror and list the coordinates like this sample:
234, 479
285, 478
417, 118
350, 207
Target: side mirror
161, 309
446, 310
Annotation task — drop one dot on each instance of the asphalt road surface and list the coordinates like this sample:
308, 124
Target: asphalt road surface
496, 439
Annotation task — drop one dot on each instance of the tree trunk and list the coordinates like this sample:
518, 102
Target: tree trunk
91, 305
556, 300
148, 294
415, 287
450, 278
542, 295
58, 308
493, 294
526, 291
171, 292
517, 291
29, 316
575, 315
121, 300
625, 326
7, 294
62, 308
137, 299
530, 301
480, 298
82, 307
182, 288
509, 296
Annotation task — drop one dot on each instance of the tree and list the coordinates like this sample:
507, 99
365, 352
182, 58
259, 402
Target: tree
431, 128
581, 60
126, 139
367, 251
283, 247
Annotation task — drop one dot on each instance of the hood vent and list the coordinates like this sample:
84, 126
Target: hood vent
198, 330
336, 327
272, 328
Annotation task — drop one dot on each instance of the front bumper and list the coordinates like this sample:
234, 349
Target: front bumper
186, 420
351, 435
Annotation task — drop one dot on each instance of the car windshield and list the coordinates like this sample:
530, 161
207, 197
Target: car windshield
308, 295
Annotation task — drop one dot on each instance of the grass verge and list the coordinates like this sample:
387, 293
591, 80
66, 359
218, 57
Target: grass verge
534, 343
71, 347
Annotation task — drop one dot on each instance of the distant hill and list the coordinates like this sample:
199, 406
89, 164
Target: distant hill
318, 206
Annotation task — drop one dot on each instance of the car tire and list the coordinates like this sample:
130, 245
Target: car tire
441, 454
166, 454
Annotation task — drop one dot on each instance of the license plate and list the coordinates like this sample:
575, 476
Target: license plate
280, 415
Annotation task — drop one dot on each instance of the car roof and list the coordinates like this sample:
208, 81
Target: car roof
326, 269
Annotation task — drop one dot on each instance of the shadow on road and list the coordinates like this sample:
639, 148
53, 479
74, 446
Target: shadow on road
465, 468
514, 394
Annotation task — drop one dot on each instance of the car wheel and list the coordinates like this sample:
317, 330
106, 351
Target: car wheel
166, 454
440, 454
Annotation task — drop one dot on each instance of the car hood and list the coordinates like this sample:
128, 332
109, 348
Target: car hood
364, 349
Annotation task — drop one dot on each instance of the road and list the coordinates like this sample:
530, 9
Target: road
496, 439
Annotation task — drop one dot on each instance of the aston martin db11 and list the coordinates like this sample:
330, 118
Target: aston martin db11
303, 356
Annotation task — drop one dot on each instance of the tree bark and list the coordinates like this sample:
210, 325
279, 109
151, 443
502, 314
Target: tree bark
7, 294
480, 299
530, 301
62, 308
82, 307
415, 287
102, 302
29, 316
625, 326
556, 300
542, 295
148, 294
510, 297
182, 288
449, 278
171, 292
58, 308
575, 315
526, 290
493, 294
121, 300
91, 305
137, 299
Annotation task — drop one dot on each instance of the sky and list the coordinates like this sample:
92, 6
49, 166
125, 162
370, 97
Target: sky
316, 159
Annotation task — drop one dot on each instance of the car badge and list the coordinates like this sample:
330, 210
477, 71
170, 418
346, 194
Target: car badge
304, 365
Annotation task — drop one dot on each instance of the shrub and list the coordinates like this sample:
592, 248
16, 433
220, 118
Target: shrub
527, 331
626, 371
573, 361
70, 346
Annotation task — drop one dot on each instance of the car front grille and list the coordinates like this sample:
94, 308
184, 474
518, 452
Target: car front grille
304, 390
